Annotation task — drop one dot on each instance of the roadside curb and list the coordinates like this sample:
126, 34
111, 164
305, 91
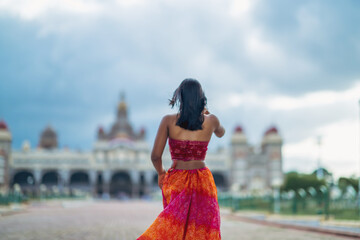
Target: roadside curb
12, 209
350, 235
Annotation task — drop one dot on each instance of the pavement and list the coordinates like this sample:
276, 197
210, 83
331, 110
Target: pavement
350, 228
12, 209
123, 220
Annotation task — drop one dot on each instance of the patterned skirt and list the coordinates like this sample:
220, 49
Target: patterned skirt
191, 210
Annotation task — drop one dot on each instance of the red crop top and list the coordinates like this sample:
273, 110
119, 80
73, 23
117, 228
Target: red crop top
186, 150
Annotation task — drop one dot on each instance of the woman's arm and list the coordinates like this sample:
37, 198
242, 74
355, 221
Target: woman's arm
219, 130
158, 149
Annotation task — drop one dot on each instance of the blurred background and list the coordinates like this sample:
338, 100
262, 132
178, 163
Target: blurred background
84, 85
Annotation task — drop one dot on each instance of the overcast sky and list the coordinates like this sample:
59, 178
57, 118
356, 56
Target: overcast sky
292, 64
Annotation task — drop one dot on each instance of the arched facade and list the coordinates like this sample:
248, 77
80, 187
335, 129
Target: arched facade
220, 180
120, 185
119, 163
50, 178
79, 180
24, 178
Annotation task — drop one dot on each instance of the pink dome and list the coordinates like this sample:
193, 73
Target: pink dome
3, 125
271, 130
100, 129
238, 129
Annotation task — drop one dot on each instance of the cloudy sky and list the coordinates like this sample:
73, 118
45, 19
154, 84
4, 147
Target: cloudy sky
292, 64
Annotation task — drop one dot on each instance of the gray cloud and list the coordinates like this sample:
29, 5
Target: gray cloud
68, 69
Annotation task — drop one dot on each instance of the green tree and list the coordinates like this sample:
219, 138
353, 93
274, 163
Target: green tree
295, 181
344, 182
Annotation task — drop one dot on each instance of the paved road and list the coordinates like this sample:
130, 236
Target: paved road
95, 220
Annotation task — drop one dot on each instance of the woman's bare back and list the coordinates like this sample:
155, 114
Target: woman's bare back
209, 126
176, 132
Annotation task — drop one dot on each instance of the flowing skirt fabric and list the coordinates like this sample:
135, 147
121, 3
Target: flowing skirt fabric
191, 210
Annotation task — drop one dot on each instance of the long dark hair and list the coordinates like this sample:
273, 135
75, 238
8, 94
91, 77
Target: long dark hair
192, 102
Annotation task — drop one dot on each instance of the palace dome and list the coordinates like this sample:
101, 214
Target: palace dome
48, 138
239, 136
3, 125
272, 136
271, 130
5, 134
238, 129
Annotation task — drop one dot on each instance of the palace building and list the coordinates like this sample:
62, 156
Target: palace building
119, 164
5, 155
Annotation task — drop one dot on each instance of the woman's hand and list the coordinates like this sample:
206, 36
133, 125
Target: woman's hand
206, 111
161, 177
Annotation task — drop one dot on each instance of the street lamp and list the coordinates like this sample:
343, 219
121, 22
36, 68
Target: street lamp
319, 171
359, 163
276, 184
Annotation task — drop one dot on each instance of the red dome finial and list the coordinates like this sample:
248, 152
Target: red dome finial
238, 129
100, 129
3, 125
101, 133
272, 129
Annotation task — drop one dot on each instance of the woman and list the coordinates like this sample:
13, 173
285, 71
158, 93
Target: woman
191, 210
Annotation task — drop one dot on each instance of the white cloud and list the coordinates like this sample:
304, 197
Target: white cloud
285, 103
242, 10
258, 65
309, 22
314, 99
340, 147
30, 10
130, 3
263, 52
304, 149
233, 100
339, 151
341, 141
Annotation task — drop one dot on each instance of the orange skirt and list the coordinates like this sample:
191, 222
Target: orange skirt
191, 209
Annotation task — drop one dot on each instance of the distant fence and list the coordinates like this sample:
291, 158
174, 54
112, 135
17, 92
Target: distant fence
310, 205
16, 196
12, 197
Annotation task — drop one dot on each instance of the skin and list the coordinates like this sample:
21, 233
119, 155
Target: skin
168, 128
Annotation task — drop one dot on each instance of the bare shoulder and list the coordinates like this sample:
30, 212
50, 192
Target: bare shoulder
168, 118
213, 119
219, 130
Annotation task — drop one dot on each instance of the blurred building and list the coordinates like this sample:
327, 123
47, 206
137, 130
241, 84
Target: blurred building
119, 163
256, 171
5, 155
